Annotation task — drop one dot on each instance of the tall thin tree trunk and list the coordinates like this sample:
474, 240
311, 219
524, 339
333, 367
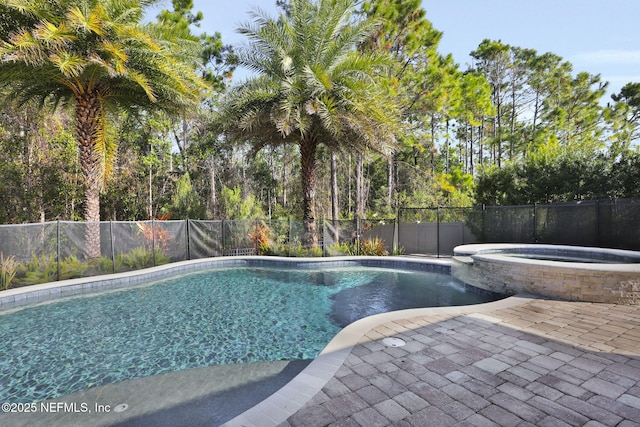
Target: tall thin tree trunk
284, 178
471, 151
150, 191
446, 158
390, 182
433, 145
481, 142
211, 163
308, 149
359, 202
499, 129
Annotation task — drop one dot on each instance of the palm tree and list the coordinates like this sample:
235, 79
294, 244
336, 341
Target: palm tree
313, 87
97, 56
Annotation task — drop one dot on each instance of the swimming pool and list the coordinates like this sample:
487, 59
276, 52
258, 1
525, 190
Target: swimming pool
222, 316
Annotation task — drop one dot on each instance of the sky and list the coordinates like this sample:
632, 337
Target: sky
597, 36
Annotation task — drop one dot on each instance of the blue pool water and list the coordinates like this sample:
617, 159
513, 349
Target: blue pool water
222, 316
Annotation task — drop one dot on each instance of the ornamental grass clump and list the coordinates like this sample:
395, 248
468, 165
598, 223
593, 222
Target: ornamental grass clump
8, 268
373, 247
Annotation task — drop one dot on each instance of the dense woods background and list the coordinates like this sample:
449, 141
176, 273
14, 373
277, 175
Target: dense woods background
517, 127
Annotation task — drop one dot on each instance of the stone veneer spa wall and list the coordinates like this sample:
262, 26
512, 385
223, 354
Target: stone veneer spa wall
564, 272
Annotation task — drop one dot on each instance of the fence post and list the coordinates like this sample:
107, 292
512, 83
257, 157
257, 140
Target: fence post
394, 238
357, 220
464, 226
324, 230
58, 247
598, 223
397, 241
113, 247
224, 243
484, 230
188, 239
535, 222
438, 231
256, 234
153, 240
289, 239
417, 236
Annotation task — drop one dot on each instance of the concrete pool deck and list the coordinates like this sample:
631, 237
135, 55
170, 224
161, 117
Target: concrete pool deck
521, 361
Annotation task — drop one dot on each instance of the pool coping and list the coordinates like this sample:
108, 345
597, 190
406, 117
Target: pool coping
500, 253
37, 293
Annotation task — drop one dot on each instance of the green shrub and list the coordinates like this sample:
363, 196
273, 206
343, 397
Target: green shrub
373, 247
104, 265
343, 248
141, 257
45, 269
264, 248
399, 251
295, 251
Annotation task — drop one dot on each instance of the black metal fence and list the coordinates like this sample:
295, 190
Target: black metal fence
601, 223
50, 251
57, 250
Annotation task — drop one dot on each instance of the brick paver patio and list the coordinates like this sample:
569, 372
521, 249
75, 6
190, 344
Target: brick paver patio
535, 363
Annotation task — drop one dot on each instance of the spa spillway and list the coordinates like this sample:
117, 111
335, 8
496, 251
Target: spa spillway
572, 273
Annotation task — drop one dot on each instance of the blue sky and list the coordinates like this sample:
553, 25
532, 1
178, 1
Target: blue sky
598, 36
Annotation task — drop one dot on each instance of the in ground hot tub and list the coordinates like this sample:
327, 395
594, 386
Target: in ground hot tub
566, 272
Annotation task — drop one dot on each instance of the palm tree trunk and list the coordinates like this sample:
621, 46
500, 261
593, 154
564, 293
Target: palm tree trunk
335, 209
88, 113
308, 149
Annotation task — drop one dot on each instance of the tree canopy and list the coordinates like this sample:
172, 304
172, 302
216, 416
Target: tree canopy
351, 109
96, 55
313, 87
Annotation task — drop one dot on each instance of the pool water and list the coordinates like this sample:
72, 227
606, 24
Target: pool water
222, 316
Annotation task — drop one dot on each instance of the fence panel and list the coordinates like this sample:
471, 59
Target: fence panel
280, 231
619, 224
383, 231
134, 246
205, 239
417, 231
339, 237
236, 237
171, 239
567, 224
457, 227
73, 250
418, 238
367, 237
27, 240
35, 247
508, 224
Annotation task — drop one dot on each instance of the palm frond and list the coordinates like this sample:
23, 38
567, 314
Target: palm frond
69, 64
318, 84
53, 36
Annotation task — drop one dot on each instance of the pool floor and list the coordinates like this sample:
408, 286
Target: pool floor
192, 397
